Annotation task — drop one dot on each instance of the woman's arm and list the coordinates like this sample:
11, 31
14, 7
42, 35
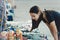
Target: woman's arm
53, 29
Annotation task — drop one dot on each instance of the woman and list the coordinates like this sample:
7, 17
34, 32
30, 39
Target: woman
50, 17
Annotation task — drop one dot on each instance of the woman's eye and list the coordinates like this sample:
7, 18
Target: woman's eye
33, 16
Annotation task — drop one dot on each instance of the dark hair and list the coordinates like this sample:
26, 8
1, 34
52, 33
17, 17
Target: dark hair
34, 9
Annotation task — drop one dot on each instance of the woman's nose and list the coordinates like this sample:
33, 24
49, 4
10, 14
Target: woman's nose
33, 18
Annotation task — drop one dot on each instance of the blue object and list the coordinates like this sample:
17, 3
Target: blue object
10, 18
12, 11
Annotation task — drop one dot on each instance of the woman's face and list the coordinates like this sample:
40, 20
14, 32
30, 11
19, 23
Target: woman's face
34, 16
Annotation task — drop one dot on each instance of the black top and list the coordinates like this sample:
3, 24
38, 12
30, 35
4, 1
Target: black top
51, 15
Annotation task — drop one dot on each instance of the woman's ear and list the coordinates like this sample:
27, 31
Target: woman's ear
39, 12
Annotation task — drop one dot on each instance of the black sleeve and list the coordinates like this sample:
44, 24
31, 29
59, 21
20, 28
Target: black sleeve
50, 17
35, 24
